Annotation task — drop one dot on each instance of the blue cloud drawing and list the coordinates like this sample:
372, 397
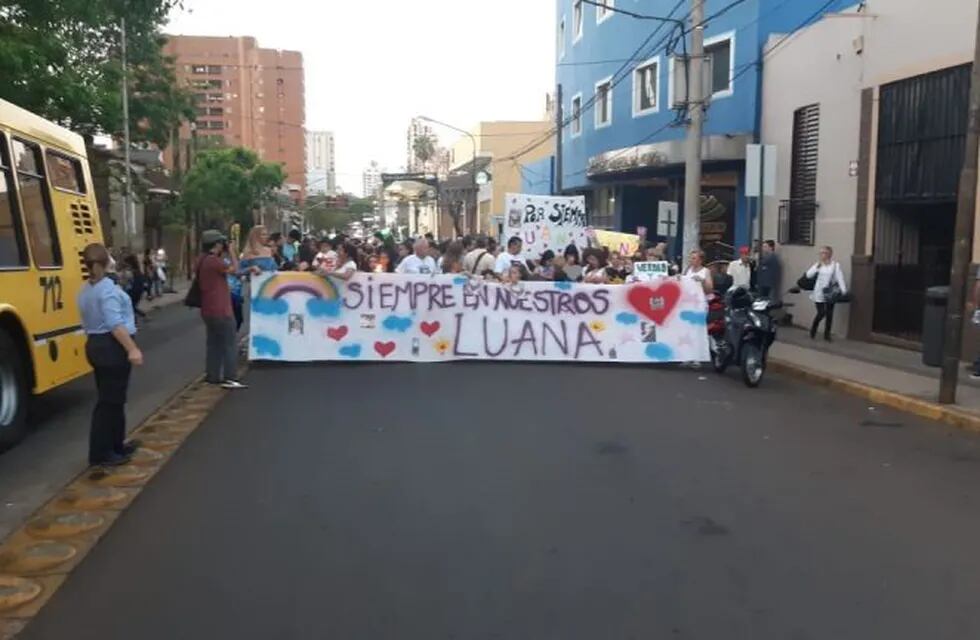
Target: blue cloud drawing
695, 317
659, 351
269, 307
397, 323
323, 308
266, 346
350, 351
460, 280
564, 286
627, 318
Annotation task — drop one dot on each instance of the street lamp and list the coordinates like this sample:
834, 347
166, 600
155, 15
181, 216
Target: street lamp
473, 184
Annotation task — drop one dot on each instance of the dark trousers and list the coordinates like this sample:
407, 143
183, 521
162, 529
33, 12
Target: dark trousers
222, 351
236, 307
112, 369
824, 310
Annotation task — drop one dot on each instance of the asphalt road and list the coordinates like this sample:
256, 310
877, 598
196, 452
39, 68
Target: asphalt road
57, 448
540, 502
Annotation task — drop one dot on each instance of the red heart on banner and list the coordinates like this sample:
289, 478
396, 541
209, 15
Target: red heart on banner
656, 302
429, 328
337, 333
384, 349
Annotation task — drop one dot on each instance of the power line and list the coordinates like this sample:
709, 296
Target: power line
584, 108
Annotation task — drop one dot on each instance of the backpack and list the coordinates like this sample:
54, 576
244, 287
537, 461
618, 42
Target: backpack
193, 297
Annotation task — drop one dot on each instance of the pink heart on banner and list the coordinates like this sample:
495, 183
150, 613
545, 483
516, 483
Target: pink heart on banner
384, 349
429, 328
337, 333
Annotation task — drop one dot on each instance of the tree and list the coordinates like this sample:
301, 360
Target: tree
61, 59
424, 148
227, 185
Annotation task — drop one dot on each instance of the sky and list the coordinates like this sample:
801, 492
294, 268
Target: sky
371, 65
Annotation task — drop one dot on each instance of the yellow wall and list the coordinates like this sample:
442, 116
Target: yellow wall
498, 140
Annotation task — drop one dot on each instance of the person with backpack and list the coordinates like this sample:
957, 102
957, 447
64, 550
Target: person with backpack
828, 288
210, 292
480, 260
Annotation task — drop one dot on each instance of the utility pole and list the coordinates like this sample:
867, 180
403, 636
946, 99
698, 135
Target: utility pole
695, 110
559, 129
963, 243
129, 219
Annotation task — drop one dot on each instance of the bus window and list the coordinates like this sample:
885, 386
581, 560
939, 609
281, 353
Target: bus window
65, 173
35, 205
12, 253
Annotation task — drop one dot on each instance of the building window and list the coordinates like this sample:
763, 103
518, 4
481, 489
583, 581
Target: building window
603, 215
561, 38
797, 216
199, 68
214, 69
719, 50
214, 124
577, 115
604, 10
603, 103
577, 20
646, 85
36, 205
12, 250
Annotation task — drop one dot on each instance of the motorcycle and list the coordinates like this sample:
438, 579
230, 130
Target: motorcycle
741, 330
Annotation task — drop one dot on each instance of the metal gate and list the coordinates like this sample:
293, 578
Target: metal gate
921, 136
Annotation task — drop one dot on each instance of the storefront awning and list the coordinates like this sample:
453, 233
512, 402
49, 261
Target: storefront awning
667, 153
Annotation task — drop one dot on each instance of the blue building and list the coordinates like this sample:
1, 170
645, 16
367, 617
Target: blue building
623, 147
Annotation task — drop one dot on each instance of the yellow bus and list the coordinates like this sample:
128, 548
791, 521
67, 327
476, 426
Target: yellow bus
48, 215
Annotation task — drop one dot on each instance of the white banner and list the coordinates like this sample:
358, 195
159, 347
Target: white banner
378, 317
545, 222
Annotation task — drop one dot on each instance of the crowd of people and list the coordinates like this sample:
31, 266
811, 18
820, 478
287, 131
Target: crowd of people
109, 301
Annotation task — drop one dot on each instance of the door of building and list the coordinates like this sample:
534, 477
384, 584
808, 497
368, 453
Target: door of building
921, 136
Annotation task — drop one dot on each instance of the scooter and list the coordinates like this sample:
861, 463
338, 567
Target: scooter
742, 334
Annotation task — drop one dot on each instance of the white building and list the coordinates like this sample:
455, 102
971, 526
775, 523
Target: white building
321, 163
867, 109
371, 181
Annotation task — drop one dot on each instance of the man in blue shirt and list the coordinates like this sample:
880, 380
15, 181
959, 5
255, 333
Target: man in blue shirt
107, 319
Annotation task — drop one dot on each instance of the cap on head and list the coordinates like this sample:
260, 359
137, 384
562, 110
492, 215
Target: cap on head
743, 251
211, 237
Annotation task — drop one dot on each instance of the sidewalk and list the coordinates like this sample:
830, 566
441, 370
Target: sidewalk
886, 375
180, 287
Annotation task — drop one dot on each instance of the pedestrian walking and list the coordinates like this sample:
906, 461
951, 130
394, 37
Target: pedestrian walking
573, 263
420, 262
594, 271
697, 270
149, 274
221, 361
479, 261
508, 258
259, 255
828, 288
133, 283
109, 324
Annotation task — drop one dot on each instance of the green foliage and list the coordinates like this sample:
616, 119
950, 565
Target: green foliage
424, 148
225, 185
61, 59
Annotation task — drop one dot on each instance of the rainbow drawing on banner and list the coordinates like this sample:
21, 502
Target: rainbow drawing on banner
324, 297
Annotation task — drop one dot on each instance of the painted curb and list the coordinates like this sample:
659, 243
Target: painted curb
923, 408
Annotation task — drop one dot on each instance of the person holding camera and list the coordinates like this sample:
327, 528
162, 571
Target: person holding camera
221, 362
828, 289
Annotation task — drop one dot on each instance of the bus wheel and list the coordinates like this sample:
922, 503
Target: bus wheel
13, 393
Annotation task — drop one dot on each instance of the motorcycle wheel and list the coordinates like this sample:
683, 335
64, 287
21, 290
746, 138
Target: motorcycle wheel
719, 360
753, 365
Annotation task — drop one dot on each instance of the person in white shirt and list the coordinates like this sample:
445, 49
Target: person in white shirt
347, 255
479, 261
420, 262
741, 270
697, 270
509, 257
326, 259
829, 279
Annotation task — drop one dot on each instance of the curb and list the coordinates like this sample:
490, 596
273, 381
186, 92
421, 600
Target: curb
909, 404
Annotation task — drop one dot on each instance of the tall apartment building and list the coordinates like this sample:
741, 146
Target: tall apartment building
371, 182
246, 96
321, 167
